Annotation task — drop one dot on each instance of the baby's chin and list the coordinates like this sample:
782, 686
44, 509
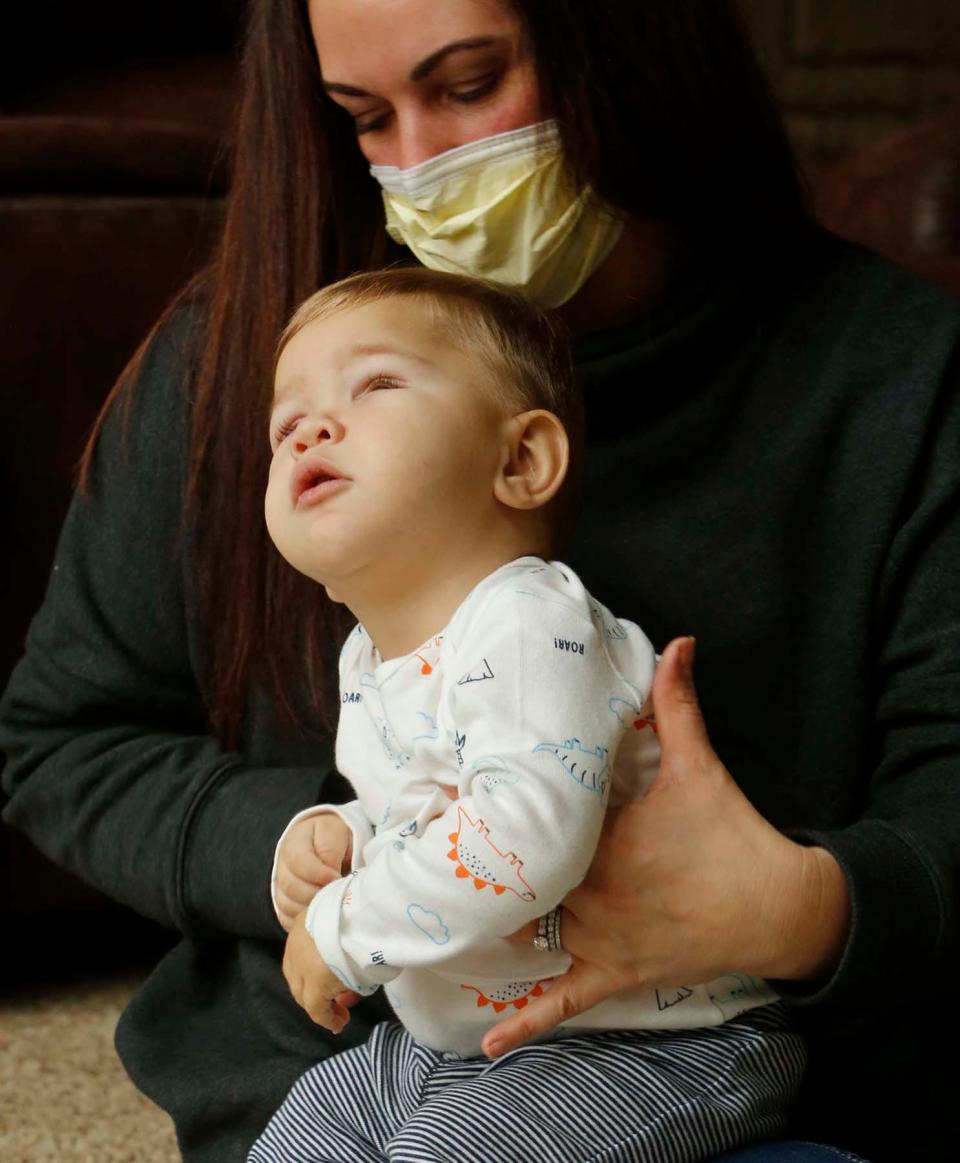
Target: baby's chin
333, 595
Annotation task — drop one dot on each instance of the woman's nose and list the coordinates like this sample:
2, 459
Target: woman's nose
420, 138
314, 430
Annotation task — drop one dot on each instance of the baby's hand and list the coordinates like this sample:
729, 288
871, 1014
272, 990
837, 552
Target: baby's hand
313, 985
313, 853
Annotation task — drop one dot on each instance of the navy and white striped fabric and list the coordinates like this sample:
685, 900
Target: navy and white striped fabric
616, 1096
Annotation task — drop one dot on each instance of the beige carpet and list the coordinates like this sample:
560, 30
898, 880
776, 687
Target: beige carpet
64, 1096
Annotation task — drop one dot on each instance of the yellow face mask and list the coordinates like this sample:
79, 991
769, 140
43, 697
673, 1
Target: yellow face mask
501, 208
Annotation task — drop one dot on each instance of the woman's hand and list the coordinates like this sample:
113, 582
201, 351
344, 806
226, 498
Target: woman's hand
688, 884
313, 853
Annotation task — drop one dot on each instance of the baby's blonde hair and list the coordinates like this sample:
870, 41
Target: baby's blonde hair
526, 350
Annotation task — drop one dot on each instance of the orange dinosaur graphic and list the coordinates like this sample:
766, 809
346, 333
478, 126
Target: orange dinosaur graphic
431, 652
477, 857
516, 994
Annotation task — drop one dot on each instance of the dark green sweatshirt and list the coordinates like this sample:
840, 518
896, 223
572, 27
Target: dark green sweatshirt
772, 465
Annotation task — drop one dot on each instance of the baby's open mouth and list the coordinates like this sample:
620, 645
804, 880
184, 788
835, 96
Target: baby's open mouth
313, 480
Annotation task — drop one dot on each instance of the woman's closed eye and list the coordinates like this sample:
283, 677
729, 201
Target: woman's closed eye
475, 90
370, 126
470, 91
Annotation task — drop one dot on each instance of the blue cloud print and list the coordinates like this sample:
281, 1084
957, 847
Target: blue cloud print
429, 924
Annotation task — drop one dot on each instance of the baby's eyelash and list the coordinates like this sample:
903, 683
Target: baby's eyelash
286, 427
383, 382
283, 430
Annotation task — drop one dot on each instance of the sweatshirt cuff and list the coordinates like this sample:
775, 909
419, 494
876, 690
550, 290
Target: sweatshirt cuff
352, 815
228, 845
895, 918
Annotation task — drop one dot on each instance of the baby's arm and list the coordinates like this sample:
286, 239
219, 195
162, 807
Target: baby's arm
537, 713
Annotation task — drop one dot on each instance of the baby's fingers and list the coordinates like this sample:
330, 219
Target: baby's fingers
305, 865
341, 1014
324, 1010
287, 910
296, 890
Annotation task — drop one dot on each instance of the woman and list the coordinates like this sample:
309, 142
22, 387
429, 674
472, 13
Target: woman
771, 465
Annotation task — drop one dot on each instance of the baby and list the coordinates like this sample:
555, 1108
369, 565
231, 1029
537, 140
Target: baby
423, 430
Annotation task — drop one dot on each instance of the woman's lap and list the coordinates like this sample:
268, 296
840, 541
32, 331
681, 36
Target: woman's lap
566, 1099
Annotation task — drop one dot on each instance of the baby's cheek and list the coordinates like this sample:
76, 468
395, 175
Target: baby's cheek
271, 505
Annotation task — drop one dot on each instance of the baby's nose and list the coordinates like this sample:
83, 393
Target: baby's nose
315, 430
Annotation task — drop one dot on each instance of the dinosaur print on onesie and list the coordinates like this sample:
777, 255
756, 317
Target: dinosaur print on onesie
493, 771
514, 993
590, 768
429, 654
479, 859
373, 701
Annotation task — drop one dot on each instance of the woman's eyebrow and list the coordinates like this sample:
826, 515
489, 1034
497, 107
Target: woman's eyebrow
428, 64
422, 70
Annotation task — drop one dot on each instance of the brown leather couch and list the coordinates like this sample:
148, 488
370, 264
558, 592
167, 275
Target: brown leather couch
112, 178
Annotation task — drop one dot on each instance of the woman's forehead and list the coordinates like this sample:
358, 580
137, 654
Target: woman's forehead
375, 40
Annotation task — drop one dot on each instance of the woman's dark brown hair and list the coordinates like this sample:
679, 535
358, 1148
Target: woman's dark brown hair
661, 106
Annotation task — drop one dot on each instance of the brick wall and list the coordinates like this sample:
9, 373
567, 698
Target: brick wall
870, 90
851, 71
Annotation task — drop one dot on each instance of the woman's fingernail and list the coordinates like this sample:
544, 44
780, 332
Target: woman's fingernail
492, 1049
686, 655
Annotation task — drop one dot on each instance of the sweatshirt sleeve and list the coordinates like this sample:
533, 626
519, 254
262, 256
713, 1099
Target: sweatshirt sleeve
536, 711
902, 856
110, 767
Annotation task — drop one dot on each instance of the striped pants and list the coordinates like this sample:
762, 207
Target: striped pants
643, 1096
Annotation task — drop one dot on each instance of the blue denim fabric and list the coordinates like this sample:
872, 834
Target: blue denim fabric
788, 1153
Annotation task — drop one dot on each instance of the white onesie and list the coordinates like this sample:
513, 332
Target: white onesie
533, 704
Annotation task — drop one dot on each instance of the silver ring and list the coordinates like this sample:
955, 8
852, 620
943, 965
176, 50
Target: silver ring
547, 939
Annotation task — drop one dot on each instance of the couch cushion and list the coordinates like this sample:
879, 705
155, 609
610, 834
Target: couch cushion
107, 155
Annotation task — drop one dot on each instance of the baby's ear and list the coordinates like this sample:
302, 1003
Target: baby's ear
536, 455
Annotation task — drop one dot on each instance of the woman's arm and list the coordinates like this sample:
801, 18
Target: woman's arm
688, 883
111, 769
